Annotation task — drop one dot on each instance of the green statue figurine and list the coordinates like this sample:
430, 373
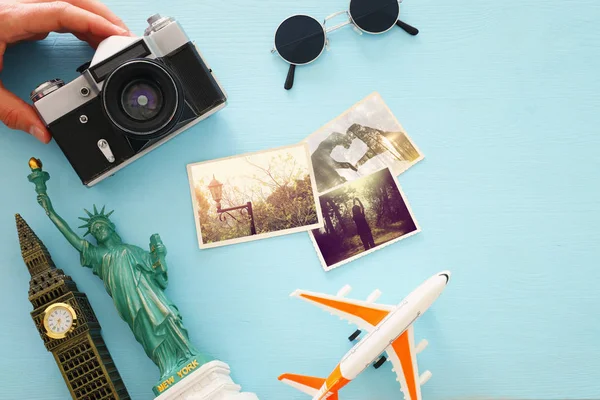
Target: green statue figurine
135, 279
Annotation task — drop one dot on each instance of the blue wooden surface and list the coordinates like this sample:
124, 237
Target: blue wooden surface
501, 96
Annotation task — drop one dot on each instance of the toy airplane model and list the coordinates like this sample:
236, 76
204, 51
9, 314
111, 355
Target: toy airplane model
390, 330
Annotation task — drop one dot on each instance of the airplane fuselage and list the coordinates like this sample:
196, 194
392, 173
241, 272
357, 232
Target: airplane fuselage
375, 343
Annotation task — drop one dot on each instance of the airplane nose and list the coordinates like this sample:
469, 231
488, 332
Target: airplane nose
445, 274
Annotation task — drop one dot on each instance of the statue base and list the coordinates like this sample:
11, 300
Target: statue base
210, 382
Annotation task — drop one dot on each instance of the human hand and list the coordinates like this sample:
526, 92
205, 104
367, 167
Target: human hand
89, 20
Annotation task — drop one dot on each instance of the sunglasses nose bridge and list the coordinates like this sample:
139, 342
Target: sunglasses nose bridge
332, 16
338, 26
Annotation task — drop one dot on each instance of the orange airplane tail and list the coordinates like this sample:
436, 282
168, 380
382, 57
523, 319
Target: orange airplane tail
308, 384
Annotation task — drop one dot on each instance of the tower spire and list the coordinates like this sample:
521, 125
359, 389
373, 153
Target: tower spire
34, 252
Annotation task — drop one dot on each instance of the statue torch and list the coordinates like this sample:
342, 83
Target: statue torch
38, 176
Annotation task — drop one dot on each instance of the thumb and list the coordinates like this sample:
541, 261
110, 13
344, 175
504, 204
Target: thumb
16, 114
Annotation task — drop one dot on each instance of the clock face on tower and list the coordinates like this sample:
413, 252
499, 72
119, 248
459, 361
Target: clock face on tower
59, 320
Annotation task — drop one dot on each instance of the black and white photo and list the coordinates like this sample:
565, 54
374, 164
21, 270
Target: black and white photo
364, 139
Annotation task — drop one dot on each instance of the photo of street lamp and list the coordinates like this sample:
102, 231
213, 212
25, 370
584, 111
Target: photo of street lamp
254, 196
216, 191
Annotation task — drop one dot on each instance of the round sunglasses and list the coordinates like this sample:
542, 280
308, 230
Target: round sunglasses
301, 39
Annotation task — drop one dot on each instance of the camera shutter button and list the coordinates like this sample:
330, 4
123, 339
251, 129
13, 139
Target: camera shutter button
156, 23
106, 151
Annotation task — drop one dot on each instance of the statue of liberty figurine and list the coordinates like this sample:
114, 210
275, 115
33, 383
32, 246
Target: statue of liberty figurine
135, 279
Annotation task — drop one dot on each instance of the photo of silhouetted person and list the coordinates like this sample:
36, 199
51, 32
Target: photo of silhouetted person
362, 216
362, 226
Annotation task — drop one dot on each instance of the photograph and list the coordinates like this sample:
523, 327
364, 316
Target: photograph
254, 196
361, 217
364, 139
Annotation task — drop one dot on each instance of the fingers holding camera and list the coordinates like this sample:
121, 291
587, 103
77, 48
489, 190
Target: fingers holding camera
16, 114
60, 16
93, 41
39, 36
88, 20
93, 6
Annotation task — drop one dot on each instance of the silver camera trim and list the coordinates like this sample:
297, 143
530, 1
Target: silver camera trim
52, 106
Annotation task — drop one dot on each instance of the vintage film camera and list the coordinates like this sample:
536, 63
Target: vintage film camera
135, 94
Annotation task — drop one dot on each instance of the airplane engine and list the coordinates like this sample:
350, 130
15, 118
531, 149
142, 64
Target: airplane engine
354, 335
380, 361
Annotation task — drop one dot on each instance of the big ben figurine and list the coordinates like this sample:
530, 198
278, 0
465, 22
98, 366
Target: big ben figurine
67, 325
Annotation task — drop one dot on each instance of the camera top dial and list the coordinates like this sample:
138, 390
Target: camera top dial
156, 23
46, 88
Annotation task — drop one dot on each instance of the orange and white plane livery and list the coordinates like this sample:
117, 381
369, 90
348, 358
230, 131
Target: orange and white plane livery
390, 330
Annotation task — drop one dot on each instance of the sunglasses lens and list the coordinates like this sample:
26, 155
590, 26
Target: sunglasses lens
300, 39
374, 16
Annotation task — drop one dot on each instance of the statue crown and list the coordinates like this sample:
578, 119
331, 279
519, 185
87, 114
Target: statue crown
96, 217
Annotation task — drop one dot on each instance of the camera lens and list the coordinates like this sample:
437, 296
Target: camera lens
142, 100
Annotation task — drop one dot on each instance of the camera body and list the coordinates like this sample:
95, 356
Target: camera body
135, 94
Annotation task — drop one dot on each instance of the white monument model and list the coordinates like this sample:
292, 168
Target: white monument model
209, 382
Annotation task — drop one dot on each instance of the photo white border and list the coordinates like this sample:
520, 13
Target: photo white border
261, 236
381, 246
351, 109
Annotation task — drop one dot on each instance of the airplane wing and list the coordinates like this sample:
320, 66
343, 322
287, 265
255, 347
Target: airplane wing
365, 314
307, 384
403, 355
